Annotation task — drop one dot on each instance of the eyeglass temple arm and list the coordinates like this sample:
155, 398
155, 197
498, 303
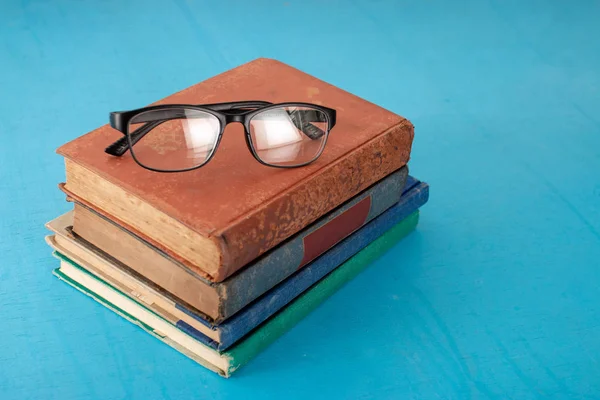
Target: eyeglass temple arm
120, 147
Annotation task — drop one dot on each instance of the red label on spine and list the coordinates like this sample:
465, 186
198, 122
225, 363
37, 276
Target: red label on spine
321, 240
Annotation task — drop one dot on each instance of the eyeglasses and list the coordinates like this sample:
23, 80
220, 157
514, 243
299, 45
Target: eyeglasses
177, 138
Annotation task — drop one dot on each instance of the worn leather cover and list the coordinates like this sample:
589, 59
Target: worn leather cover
246, 207
277, 298
111, 241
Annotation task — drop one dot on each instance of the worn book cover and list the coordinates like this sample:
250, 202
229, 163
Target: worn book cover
218, 301
225, 363
224, 335
218, 218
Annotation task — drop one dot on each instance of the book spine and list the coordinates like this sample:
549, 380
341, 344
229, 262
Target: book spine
296, 252
269, 332
246, 320
249, 237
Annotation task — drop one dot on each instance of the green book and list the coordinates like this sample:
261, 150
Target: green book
227, 362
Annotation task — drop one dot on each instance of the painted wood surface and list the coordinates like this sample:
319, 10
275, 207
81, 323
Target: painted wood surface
496, 294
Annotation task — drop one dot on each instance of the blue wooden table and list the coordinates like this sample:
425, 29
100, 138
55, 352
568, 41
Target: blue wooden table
495, 296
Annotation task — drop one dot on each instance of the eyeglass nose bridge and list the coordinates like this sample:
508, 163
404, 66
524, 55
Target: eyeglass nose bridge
233, 117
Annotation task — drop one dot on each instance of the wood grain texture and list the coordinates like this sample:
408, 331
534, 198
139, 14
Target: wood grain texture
494, 296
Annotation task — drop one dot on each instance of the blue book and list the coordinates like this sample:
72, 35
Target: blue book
414, 195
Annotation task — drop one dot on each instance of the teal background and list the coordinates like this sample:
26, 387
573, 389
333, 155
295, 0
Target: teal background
496, 295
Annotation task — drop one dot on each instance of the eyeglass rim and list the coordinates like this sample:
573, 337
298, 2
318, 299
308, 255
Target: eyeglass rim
122, 120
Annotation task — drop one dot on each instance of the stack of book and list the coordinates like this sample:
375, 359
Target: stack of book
220, 261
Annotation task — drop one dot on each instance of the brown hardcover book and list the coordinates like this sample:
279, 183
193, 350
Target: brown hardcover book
218, 218
220, 300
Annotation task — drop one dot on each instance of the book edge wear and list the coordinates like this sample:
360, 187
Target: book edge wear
278, 297
233, 245
226, 334
226, 363
272, 267
239, 244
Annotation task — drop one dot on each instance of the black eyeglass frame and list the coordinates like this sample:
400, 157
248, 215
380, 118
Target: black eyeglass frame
226, 113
